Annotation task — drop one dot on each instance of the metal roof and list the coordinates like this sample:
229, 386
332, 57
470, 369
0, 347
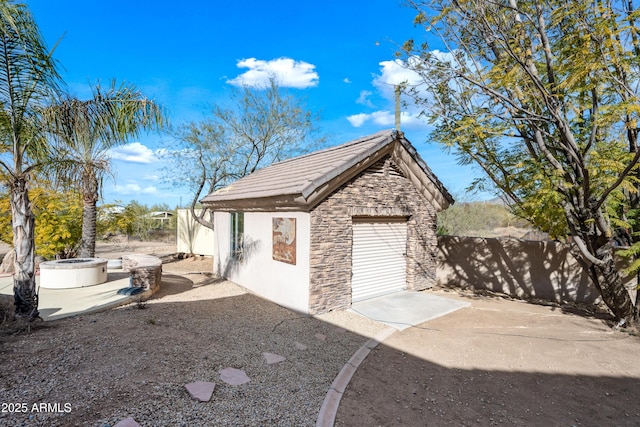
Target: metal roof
302, 182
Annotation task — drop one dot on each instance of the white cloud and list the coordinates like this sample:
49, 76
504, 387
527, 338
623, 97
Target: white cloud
133, 188
393, 73
399, 72
346, 80
386, 118
134, 153
287, 72
364, 98
358, 120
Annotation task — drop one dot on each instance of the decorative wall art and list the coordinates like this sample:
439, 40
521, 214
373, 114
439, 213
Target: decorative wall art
284, 240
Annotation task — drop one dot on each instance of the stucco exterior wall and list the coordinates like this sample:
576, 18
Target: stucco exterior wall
192, 237
285, 284
381, 190
522, 269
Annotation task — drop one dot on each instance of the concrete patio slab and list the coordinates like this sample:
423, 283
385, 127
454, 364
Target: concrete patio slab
59, 303
404, 309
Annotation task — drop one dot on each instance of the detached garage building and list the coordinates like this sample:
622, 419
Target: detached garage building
320, 231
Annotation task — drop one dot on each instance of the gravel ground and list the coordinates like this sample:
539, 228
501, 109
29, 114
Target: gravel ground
134, 361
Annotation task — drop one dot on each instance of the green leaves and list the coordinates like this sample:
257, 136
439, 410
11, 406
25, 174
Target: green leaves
57, 229
83, 131
540, 95
544, 98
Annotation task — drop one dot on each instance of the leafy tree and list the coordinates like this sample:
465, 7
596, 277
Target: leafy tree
134, 220
85, 131
543, 96
160, 207
28, 79
261, 126
113, 218
57, 230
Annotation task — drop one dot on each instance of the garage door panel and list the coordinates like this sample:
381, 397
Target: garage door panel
378, 259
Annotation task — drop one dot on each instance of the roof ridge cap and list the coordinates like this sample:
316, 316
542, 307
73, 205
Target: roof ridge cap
316, 183
360, 140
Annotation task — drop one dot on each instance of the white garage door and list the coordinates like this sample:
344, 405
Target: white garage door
379, 263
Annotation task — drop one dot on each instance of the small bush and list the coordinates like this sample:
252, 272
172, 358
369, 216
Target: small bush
476, 218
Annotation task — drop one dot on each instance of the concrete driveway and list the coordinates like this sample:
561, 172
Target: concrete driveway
405, 309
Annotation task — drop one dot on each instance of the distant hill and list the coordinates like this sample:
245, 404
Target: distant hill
494, 201
488, 218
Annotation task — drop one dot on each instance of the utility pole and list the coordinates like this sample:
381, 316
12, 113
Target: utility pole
397, 113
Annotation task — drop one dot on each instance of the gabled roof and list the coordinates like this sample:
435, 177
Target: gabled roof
302, 182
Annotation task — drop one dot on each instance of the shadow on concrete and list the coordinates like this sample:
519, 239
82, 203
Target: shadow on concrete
172, 284
117, 275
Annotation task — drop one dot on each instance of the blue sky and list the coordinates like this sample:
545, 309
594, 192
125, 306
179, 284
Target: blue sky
186, 55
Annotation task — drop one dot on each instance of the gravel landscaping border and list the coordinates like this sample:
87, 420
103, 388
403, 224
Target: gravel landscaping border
134, 361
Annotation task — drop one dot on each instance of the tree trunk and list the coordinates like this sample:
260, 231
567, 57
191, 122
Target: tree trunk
90, 199
24, 281
607, 279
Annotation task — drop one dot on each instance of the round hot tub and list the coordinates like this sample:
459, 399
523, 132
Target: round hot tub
73, 273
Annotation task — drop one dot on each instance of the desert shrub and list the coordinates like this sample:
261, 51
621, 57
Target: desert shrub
58, 221
475, 218
135, 220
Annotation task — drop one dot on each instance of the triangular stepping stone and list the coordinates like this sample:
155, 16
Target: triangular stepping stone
234, 376
127, 422
200, 390
321, 337
273, 358
300, 346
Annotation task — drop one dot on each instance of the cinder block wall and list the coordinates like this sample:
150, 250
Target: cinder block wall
381, 190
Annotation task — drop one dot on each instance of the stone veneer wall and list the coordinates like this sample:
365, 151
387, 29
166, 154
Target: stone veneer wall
145, 271
379, 191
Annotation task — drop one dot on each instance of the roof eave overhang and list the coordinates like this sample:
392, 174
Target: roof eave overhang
407, 159
289, 202
315, 192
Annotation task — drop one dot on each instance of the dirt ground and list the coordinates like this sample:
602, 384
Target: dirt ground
116, 247
134, 361
499, 362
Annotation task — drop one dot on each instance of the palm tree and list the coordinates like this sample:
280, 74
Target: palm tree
85, 131
28, 79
